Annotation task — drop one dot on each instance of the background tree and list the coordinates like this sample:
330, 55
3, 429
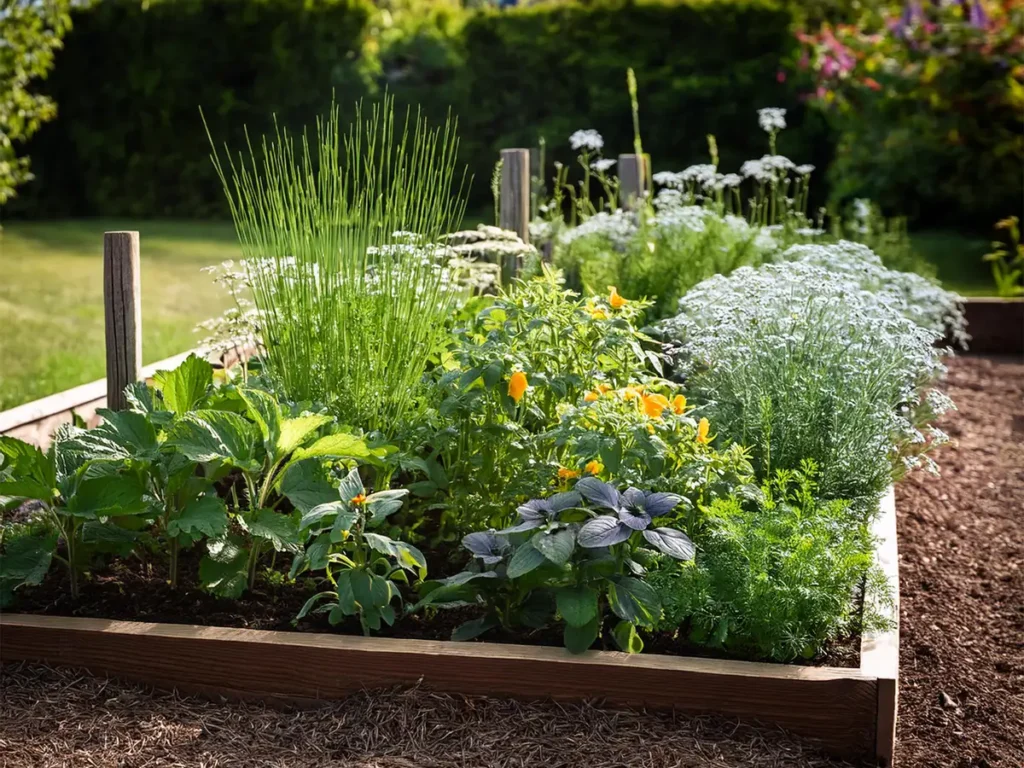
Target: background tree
30, 32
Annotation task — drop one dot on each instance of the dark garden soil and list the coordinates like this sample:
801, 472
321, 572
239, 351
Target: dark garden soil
961, 540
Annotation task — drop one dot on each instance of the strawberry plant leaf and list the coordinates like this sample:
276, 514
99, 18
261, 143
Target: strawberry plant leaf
207, 515
186, 386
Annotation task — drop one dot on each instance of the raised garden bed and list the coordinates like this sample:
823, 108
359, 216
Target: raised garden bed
850, 712
996, 325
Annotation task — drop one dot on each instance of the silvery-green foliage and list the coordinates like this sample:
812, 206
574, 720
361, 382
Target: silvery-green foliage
917, 297
800, 362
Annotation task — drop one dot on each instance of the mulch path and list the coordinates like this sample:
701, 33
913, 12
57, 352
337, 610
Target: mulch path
961, 541
962, 664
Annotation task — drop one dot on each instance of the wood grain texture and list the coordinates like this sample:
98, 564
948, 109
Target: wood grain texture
634, 179
834, 706
122, 301
880, 651
514, 204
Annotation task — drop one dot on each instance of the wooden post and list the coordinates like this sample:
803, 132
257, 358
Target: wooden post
122, 300
515, 203
634, 179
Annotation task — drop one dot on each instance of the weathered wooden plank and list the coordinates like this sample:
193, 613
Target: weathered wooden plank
834, 706
122, 302
514, 204
634, 179
880, 651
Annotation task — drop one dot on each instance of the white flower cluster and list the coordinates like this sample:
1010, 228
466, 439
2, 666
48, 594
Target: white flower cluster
588, 139
603, 165
917, 297
803, 361
771, 119
618, 227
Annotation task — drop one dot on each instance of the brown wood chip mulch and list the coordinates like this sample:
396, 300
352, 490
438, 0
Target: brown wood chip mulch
961, 698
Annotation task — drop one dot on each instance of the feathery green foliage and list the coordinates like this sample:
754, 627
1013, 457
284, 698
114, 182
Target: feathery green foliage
338, 234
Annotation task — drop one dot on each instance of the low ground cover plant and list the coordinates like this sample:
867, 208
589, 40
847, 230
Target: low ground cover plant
557, 467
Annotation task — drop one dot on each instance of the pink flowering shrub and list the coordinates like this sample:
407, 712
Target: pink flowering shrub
927, 98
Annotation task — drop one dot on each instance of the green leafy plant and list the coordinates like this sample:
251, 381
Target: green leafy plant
775, 573
352, 304
87, 504
564, 562
1007, 260
362, 565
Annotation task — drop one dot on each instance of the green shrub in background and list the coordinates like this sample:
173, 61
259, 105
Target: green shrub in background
132, 77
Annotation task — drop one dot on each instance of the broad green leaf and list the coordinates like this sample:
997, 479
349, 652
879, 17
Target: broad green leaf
361, 582
26, 559
347, 517
109, 496
317, 551
308, 605
215, 436
525, 559
108, 537
306, 485
224, 569
556, 546
380, 591
578, 639
25, 471
626, 637
128, 429
634, 600
295, 431
207, 516
350, 487
184, 387
407, 555
264, 410
380, 505
473, 628
346, 596
338, 446
279, 529
577, 605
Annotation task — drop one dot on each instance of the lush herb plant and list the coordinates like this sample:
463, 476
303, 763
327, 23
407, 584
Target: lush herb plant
362, 566
776, 573
84, 504
797, 362
338, 231
1007, 260
569, 559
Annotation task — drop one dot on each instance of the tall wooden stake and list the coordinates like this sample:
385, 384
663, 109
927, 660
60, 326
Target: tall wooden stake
122, 300
514, 211
634, 179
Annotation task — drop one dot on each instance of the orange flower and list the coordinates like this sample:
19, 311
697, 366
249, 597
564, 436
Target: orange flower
873, 84
357, 500
702, 431
679, 404
591, 397
654, 405
594, 467
564, 473
632, 393
602, 388
616, 301
517, 386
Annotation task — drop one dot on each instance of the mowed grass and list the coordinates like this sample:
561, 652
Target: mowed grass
51, 297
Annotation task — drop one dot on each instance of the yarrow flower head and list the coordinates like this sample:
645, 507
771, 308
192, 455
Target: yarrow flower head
603, 165
771, 119
588, 139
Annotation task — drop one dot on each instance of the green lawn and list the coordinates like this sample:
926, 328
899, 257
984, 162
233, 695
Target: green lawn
957, 258
51, 297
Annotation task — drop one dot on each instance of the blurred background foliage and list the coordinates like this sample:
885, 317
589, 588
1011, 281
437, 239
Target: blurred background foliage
937, 141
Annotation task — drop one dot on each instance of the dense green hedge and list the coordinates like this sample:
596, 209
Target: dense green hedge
129, 140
